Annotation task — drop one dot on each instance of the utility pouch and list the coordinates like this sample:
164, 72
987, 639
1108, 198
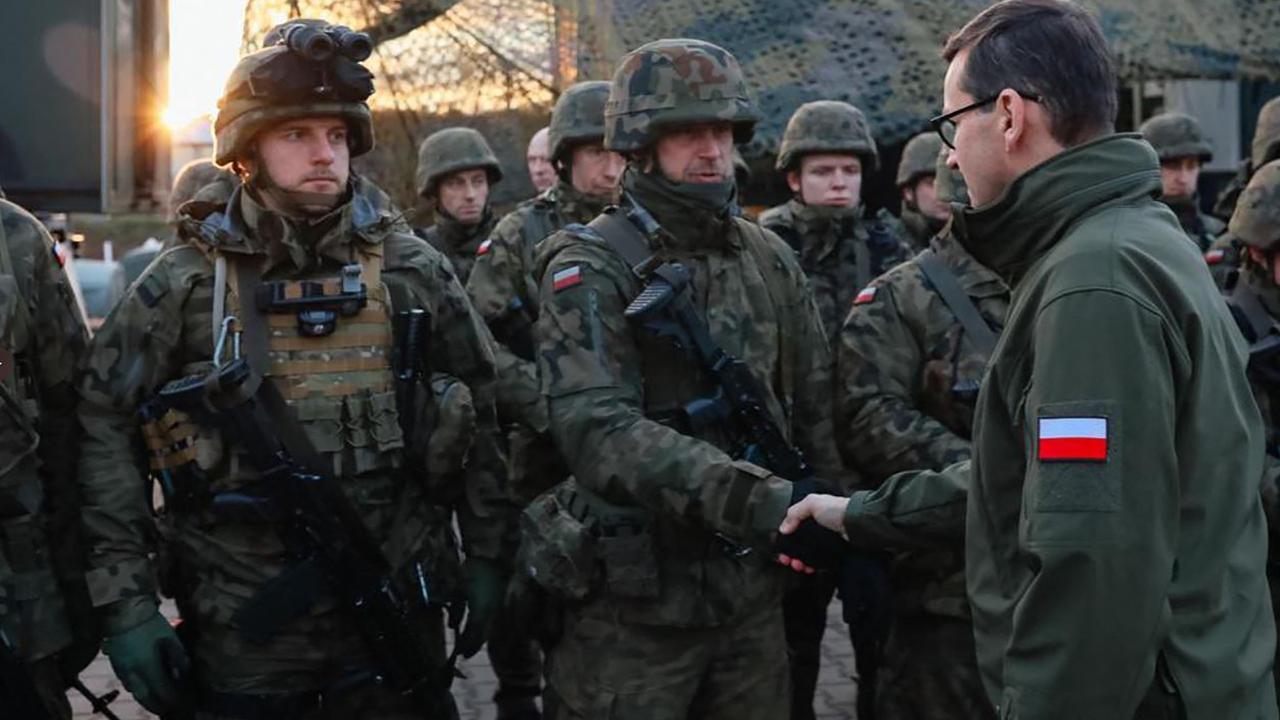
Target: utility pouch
557, 546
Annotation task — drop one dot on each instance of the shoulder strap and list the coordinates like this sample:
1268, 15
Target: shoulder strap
537, 224
1253, 319
961, 305
626, 239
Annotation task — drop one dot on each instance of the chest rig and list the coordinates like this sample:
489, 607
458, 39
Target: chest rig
325, 341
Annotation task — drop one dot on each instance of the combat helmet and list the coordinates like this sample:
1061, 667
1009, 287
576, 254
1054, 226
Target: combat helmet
827, 126
450, 150
1266, 136
313, 70
1175, 135
577, 117
919, 158
1256, 220
676, 82
949, 184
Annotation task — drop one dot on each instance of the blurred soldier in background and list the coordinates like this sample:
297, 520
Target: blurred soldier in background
541, 170
1183, 150
1225, 253
456, 171
923, 211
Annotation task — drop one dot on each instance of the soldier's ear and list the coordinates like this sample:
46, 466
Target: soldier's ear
793, 181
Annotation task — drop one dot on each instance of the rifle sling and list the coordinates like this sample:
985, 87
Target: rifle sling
961, 305
1254, 320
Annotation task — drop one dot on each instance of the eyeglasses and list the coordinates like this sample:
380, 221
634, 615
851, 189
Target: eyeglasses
945, 125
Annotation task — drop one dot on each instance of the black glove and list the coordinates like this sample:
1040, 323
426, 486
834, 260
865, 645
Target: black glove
811, 543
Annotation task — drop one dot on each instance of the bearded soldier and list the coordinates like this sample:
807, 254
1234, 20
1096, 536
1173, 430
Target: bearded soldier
278, 362
456, 173
505, 291
672, 492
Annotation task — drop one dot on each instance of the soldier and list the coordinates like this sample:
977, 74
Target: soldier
1115, 542
47, 631
825, 150
308, 540
1254, 299
1183, 149
684, 621
456, 171
194, 177
541, 170
911, 357
1224, 254
504, 289
923, 211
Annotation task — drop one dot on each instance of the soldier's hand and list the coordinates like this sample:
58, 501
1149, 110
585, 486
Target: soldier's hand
151, 663
805, 544
486, 588
826, 510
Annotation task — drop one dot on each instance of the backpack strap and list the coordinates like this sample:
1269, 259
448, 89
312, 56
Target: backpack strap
961, 305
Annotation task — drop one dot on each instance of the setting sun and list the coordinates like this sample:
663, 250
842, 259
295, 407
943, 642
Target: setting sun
204, 42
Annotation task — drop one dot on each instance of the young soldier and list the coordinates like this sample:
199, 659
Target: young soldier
456, 172
923, 211
1183, 149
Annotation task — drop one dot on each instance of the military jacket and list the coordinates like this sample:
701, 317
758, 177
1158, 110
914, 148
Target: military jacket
456, 241
42, 336
907, 378
917, 230
1201, 227
615, 391
840, 252
341, 396
1114, 523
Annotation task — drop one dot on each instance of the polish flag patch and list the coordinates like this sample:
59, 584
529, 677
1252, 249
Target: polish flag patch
566, 278
1215, 256
484, 248
866, 295
1073, 438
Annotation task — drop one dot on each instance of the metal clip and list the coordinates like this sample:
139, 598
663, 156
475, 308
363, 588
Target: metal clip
220, 347
351, 278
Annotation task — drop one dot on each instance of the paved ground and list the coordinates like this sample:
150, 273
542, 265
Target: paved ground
837, 685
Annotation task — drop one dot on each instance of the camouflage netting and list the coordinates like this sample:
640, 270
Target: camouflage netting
496, 65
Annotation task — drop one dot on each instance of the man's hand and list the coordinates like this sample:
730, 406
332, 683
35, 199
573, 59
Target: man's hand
486, 588
825, 510
151, 663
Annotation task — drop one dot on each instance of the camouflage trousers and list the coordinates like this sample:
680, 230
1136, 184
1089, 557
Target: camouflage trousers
930, 672
605, 670
804, 608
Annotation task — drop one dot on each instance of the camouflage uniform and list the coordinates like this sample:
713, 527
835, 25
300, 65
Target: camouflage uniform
677, 624
1224, 254
445, 152
339, 388
840, 251
45, 618
918, 158
1255, 302
505, 292
1174, 136
908, 373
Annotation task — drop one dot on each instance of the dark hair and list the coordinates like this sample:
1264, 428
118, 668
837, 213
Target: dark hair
1052, 48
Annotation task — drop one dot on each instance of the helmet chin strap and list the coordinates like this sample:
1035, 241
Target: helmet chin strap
293, 203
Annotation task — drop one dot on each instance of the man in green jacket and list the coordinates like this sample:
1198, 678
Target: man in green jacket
1115, 538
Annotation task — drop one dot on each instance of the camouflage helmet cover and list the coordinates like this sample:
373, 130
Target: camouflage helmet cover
1266, 137
193, 176
948, 184
451, 150
577, 117
827, 126
676, 82
1175, 135
919, 158
1256, 220
276, 84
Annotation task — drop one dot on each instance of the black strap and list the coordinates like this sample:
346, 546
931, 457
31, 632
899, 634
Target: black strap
1254, 320
945, 282
537, 224
624, 237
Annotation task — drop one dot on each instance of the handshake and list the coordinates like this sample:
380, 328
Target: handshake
812, 533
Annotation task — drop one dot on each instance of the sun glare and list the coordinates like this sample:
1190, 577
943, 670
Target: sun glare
204, 42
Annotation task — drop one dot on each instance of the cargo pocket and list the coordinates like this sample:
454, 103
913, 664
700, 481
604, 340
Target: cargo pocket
365, 432
630, 562
557, 549
321, 421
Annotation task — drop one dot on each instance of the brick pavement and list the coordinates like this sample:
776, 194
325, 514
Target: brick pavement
837, 684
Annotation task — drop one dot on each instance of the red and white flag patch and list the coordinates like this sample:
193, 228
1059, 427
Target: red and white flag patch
1073, 438
566, 278
484, 248
866, 295
1215, 256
